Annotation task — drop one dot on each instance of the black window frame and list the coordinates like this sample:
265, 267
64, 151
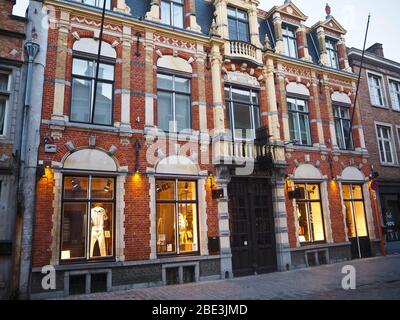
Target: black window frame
176, 202
237, 20
352, 201
93, 59
341, 120
88, 202
309, 218
230, 106
333, 53
287, 38
182, 75
297, 112
172, 4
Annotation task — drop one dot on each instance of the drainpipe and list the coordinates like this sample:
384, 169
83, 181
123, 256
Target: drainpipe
36, 50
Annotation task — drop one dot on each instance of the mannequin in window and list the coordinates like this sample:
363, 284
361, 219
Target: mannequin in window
98, 218
182, 229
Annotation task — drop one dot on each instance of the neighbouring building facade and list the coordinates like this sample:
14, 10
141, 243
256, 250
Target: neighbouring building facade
215, 144
380, 100
12, 83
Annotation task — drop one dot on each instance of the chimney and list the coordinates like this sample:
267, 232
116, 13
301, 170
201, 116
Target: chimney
376, 49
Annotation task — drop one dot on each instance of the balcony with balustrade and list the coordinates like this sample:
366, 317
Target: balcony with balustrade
243, 51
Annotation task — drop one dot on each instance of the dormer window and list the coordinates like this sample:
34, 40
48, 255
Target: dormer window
172, 13
332, 51
238, 25
290, 41
98, 3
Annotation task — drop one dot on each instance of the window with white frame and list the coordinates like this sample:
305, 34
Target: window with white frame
333, 57
238, 25
83, 107
385, 142
342, 127
4, 98
290, 41
376, 90
244, 112
174, 103
395, 94
299, 122
172, 13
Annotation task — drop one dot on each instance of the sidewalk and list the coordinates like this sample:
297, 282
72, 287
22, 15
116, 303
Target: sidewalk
377, 278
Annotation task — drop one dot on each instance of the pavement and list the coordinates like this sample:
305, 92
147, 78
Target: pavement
376, 279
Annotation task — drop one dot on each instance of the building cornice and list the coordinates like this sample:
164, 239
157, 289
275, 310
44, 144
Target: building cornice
356, 53
116, 17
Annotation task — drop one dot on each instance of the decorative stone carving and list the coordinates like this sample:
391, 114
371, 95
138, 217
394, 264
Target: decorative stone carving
241, 78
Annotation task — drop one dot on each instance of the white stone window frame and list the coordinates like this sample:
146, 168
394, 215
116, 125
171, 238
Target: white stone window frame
120, 174
383, 87
6, 94
395, 157
391, 93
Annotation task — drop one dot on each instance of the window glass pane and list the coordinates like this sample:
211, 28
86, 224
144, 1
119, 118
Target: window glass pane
313, 191
232, 27
240, 95
3, 82
103, 108
388, 149
304, 129
164, 110
102, 188
186, 190
178, 16
361, 223
2, 115
242, 15
291, 104
257, 122
76, 187
106, 72
293, 126
357, 192
351, 228
292, 48
243, 31
166, 228
187, 224
317, 221
165, 13
254, 97
339, 134
304, 234
73, 242
165, 190
164, 82
302, 105
82, 67
183, 111
182, 85
231, 12
81, 100
101, 229
346, 191
242, 116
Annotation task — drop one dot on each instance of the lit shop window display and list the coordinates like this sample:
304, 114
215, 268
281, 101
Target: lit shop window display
88, 218
309, 214
355, 213
176, 217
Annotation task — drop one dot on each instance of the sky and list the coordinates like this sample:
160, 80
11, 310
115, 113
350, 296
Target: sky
352, 15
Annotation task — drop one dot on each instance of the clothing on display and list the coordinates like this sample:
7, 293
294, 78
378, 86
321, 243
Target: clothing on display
98, 217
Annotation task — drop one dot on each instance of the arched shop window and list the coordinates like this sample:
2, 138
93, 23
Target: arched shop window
88, 207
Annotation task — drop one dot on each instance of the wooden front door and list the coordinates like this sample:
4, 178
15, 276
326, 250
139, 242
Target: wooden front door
251, 226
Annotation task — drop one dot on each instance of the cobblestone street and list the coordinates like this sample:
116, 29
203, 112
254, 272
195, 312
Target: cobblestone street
377, 278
